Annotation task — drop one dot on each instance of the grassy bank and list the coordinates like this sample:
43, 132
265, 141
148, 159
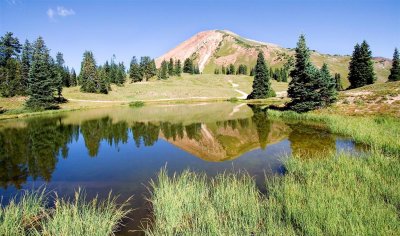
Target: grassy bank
29, 215
335, 194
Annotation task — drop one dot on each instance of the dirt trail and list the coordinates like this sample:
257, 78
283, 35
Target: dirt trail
244, 95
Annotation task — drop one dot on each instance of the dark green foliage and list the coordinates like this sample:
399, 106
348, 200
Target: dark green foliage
89, 79
147, 68
178, 68
41, 78
252, 72
171, 71
26, 61
303, 88
9, 48
10, 67
361, 70
261, 84
72, 78
223, 70
10, 77
104, 85
120, 76
188, 66
61, 74
231, 70
163, 72
338, 81
216, 71
327, 87
242, 70
395, 70
134, 71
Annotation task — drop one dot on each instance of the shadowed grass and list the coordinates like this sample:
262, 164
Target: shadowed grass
78, 217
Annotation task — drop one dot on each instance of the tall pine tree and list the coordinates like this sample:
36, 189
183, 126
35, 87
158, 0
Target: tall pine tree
163, 72
89, 79
134, 71
178, 68
10, 67
327, 87
26, 61
261, 84
338, 81
395, 70
41, 78
72, 78
305, 77
361, 70
171, 71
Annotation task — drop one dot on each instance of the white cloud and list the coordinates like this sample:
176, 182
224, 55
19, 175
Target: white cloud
60, 11
50, 13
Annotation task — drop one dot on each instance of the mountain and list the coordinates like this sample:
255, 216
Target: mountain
215, 48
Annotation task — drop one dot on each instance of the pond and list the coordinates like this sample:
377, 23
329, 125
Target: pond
122, 149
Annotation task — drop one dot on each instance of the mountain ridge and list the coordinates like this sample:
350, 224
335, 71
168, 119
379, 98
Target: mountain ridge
213, 49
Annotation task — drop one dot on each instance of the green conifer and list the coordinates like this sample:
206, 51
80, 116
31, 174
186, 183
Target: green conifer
261, 84
395, 70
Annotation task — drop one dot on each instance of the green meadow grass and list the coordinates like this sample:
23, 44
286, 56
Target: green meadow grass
332, 194
78, 217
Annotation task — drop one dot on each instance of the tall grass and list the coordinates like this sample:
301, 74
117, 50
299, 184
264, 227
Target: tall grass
78, 217
190, 205
338, 195
379, 132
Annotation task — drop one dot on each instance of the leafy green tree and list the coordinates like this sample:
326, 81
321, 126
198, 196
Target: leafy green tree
41, 78
134, 71
72, 78
305, 77
361, 70
327, 87
178, 68
188, 66
103, 86
261, 84
26, 61
338, 81
163, 73
171, 71
89, 79
395, 70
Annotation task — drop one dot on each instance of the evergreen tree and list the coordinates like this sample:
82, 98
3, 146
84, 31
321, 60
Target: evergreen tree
231, 70
88, 77
327, 87
113, 71
41, 78
62, 76
223, 70
284, 75
163, 73
120, 76
252, 72
188, 66
26, 61
216, 71
134, 71
261, 84
72, 78
361, 70
338, 81
395, 70
10, 67
103, 85
171, 71
178, 68
147, 67
305, 77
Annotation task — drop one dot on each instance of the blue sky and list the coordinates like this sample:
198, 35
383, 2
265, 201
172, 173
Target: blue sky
127, 28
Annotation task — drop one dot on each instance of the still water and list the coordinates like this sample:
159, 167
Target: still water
122, 149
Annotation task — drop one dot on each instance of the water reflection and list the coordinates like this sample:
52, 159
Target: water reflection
32, 150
